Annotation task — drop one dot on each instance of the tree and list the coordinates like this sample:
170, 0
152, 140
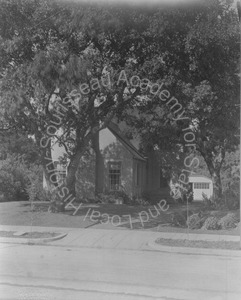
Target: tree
200, 67
214, 45
73, 56
230, 174
15, 143
44, 61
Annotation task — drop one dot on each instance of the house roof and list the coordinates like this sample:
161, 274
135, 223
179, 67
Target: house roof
129, 146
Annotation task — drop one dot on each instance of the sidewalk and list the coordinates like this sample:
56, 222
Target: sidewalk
114, 239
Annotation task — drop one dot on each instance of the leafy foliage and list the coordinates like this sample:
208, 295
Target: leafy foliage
202, 73
229, 221
211, 223
179, 219
13, 179
85, 177
20, 181
195, 221
17, 143
34, 188
45, 55
231, 179
113, 197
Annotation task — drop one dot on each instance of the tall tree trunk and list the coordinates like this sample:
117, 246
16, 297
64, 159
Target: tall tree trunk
214, 158
49, 169
99, 165
47, 163
217, 185
56, 203
72, 169
214, 168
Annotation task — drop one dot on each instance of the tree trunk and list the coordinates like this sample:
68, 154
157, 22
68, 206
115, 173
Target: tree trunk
99, 165
49, 169
72, 169
214, 161
214, 170
47, 163
217, 185
56, 203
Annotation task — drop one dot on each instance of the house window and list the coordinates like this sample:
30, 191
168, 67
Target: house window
201, 185
61, 176
60, 171
114, 176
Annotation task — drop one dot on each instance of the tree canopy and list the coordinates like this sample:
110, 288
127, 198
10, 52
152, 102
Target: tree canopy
61, 66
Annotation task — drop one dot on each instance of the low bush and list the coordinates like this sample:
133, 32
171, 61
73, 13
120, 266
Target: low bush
13, 179
214, 204
229, 221
20, 181
106, 198
232, 198
56, 202
85, 178
180, 195
140, 201
112, 196
195, 221
179, 219
211, 223
34, 188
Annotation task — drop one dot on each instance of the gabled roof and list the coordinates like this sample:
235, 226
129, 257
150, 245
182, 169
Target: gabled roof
117, 133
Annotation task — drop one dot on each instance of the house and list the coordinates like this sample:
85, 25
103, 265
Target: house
116, 164
201, 185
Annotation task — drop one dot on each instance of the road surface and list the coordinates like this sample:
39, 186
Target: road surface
53, 272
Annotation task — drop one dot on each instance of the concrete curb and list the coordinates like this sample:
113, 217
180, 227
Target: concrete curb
193, 250
30, 241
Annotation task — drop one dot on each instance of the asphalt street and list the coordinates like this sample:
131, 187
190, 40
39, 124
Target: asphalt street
55, 272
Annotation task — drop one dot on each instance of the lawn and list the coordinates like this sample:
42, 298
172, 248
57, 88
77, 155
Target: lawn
31, 235
199, 244
106, 216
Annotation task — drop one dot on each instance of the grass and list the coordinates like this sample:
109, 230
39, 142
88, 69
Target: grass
31, 235
199, 244
21, 213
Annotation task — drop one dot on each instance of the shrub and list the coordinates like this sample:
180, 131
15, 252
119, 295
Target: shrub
105, 198
85, 190
195, 221
34, 188
179, 194
85, 177
19, 180
8, 187
56, 202
112, 196
232, 197
229, 221
179, 219
140, 201
238, 226
13, 179
188, 196
211, 203
211, 223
